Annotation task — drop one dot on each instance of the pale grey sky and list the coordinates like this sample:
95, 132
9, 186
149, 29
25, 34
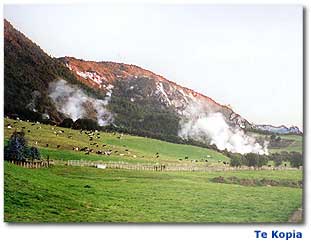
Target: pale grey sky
247, 56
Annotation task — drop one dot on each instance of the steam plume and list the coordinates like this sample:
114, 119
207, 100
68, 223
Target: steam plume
74, 103
211, 128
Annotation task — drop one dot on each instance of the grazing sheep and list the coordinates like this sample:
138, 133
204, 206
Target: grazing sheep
99, 152
28, 131
58, 146
107, 153
47, 145
186, 157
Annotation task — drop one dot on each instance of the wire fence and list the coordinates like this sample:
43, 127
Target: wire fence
166, 167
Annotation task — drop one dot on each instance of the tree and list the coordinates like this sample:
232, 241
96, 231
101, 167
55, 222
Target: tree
296, 159
86, 124
237, 160
66, 123
277, 158
262, 160
17, 147
272, 137
278, 139
251, 159
34, 153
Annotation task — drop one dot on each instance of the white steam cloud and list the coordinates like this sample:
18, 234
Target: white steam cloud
74, 103
211, 128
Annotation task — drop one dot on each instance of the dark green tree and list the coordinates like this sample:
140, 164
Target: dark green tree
86, 124
17, 147
277, 158
34, 153
296, 159
66, 123
237, 160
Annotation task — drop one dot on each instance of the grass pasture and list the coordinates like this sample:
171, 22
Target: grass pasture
295, 142
123, 148
85, 194
82, 194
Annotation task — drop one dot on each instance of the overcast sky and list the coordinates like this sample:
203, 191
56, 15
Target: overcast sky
247, 56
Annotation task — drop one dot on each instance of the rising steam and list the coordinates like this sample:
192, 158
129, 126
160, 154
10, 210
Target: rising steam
211, 128
74, 103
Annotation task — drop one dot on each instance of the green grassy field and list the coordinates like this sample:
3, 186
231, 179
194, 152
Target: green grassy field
84, 194
296, 143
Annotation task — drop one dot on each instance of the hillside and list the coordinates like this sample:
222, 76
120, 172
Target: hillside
140, 99
61, 143
122, 97
142, 87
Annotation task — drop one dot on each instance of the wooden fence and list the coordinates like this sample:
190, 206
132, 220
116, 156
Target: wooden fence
166, 167
32, 164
